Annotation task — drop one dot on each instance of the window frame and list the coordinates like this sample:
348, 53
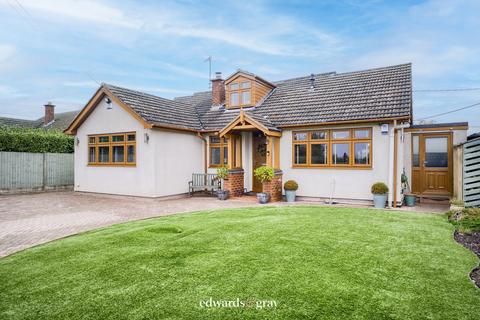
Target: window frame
329, 141
223, 145
94, 142
239, 91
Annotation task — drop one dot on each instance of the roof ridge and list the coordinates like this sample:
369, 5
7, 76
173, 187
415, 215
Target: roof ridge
144, 93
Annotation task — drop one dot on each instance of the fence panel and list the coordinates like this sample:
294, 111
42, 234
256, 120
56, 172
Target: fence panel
471, 173
24, 172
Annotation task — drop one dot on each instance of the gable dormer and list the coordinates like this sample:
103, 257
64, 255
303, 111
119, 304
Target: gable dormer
244, 89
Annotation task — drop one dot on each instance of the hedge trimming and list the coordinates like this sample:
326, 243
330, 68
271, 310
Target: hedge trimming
16, 139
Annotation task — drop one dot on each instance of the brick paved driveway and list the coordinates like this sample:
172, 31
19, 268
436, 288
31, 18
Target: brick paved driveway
32, 219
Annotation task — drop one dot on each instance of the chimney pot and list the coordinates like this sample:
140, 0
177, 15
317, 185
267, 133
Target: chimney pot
49, 113
218, 90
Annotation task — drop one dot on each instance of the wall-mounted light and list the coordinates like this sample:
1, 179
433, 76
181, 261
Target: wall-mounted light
146, 137
109, 103
77, 141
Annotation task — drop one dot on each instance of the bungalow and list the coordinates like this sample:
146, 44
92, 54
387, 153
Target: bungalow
334, 133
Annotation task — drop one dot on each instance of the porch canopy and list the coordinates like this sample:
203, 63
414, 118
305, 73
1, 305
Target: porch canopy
246, 121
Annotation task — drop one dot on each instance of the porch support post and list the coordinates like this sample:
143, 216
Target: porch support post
276, 153
231, 145
269, 151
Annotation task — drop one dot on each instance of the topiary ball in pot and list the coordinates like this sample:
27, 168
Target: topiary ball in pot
290, 187
379, 191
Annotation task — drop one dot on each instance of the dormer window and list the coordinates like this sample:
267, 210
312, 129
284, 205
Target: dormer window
244, 89
240, 93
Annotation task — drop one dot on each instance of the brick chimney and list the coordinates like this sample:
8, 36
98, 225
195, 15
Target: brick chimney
218, 90
49, 113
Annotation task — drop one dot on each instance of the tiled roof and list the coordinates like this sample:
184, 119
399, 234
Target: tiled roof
158, 110
19, 122
62, 121
379, 93
370, 94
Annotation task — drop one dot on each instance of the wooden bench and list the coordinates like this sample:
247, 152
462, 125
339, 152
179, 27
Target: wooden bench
204, 181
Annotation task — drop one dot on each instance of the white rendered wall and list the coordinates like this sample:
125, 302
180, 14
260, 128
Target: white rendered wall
134, 181
177, 155
349, 183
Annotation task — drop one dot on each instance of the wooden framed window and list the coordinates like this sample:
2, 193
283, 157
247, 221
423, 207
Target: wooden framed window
332, 148
240, 94
113, 149
218, 151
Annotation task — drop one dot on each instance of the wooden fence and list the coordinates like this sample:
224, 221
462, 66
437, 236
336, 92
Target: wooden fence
471, 173
29, 172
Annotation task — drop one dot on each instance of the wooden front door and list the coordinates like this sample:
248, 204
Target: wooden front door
259, 153
432, 164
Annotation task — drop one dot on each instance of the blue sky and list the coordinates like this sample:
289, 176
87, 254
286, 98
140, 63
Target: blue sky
60, 51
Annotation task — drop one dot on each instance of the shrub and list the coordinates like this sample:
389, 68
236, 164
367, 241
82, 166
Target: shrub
264, 174
379, 188
467, 220
222, 172
14, 139
291, 185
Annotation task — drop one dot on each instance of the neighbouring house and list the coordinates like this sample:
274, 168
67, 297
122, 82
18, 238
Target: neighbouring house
334, 133
51, 120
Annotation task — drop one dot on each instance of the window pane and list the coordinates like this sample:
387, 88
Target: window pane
118, 153
225, 155
436, 152
118, 138
416, 151
246, 97
91, 140
362, 153
103, 154
130, 153
341, 134
319, 154
103, 139
362, 134
245, 85
131, 137
91, 154
214, 139
234, 99
340, 153
234, 86
300, 136
215, 155
316, 135
300, 155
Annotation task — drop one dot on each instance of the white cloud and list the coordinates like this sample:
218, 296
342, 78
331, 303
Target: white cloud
7, 92
7, 52
85, 10
182, 70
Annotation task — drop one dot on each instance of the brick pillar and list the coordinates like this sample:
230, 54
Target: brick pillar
274, 187
234, 182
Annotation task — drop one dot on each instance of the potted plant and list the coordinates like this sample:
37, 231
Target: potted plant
264, 174
222, 174
409, 197
290, 187
379, 190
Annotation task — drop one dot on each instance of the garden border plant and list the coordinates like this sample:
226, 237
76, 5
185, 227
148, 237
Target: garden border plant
264, 174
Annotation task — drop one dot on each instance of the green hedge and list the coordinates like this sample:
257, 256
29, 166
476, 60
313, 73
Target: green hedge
35, 140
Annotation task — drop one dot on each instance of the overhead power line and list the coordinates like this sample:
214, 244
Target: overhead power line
451, 111
446, 90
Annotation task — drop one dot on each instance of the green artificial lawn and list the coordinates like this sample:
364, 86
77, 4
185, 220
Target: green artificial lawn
313, 262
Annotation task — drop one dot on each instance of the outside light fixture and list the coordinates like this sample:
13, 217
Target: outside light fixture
109, 103
78, 141
146, 137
